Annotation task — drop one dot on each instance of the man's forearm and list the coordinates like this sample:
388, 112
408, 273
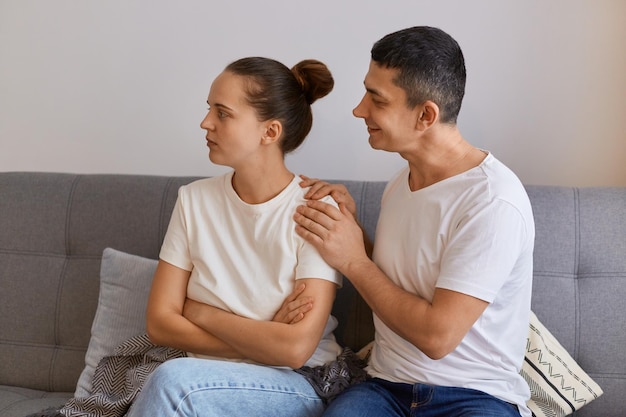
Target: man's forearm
406, 314
435, 327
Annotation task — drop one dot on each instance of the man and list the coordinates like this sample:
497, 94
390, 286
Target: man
450, 277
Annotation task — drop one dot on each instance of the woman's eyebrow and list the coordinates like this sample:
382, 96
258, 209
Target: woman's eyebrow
220, 105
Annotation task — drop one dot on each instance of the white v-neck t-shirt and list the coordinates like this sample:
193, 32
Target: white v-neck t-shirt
474, 234
244, 258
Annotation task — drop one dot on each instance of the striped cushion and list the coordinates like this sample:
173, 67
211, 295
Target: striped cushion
558, 385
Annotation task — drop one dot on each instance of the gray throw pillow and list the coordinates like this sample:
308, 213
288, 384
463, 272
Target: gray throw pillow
125, 282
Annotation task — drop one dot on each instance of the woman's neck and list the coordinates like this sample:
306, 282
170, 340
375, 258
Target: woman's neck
259, 186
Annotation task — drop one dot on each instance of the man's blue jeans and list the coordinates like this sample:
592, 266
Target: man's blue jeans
213, 388
378, 398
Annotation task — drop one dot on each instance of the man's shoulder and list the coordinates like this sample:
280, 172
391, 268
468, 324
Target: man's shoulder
502, 182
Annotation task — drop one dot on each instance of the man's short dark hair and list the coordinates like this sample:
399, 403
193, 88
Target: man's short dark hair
431, 67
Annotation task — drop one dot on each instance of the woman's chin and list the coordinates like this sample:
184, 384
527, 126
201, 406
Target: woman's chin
213, 157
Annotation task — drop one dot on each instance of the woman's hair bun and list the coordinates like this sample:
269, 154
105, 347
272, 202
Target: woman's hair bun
315, 79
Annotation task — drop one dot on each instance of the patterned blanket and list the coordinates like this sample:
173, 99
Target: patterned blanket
330, 379
119, 378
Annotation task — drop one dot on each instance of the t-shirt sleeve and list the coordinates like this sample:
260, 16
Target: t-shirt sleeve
483, 250
310, 262
175, 247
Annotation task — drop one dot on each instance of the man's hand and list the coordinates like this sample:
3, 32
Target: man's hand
294, 308
334, 232
340, 194
320, 189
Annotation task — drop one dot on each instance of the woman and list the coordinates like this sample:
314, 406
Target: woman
231, 256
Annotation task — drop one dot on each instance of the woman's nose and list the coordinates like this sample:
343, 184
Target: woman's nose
206, 123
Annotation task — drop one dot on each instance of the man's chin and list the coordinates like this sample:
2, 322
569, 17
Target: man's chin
379, 146
374, 144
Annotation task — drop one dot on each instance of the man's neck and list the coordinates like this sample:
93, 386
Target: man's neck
442, 154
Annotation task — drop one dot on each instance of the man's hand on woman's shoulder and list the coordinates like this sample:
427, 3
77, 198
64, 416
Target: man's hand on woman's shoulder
320, 189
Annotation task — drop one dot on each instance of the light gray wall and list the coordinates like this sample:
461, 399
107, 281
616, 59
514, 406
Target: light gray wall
119, 86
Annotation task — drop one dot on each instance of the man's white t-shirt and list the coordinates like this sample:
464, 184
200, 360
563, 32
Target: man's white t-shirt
472, 233
244, 258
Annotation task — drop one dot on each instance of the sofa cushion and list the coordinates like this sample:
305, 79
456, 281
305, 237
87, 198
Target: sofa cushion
124, 286
558, 385
18, 401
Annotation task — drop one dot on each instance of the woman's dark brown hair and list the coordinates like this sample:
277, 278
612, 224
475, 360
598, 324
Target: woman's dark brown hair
277, 92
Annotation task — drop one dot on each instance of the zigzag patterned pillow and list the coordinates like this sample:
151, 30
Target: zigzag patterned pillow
558, 385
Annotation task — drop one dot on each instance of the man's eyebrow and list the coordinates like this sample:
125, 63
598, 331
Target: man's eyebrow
374, 92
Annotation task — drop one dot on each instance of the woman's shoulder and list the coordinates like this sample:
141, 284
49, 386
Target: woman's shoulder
204, 184
302, 192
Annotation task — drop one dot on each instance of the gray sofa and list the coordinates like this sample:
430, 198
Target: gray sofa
54, 227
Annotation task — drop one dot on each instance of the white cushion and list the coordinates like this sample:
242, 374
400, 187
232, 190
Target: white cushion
558, 385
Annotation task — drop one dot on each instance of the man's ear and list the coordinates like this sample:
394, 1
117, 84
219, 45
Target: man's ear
273, 132
428, 115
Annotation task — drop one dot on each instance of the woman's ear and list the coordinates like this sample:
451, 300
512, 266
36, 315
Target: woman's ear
428, 115
273, 132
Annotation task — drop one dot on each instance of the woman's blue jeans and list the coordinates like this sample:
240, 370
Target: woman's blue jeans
378, 398
212, 388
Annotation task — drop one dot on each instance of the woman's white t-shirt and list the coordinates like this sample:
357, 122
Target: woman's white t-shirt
244, 258
474, 234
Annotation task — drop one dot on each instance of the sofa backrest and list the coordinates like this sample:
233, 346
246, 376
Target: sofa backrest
54, 227
579, 286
